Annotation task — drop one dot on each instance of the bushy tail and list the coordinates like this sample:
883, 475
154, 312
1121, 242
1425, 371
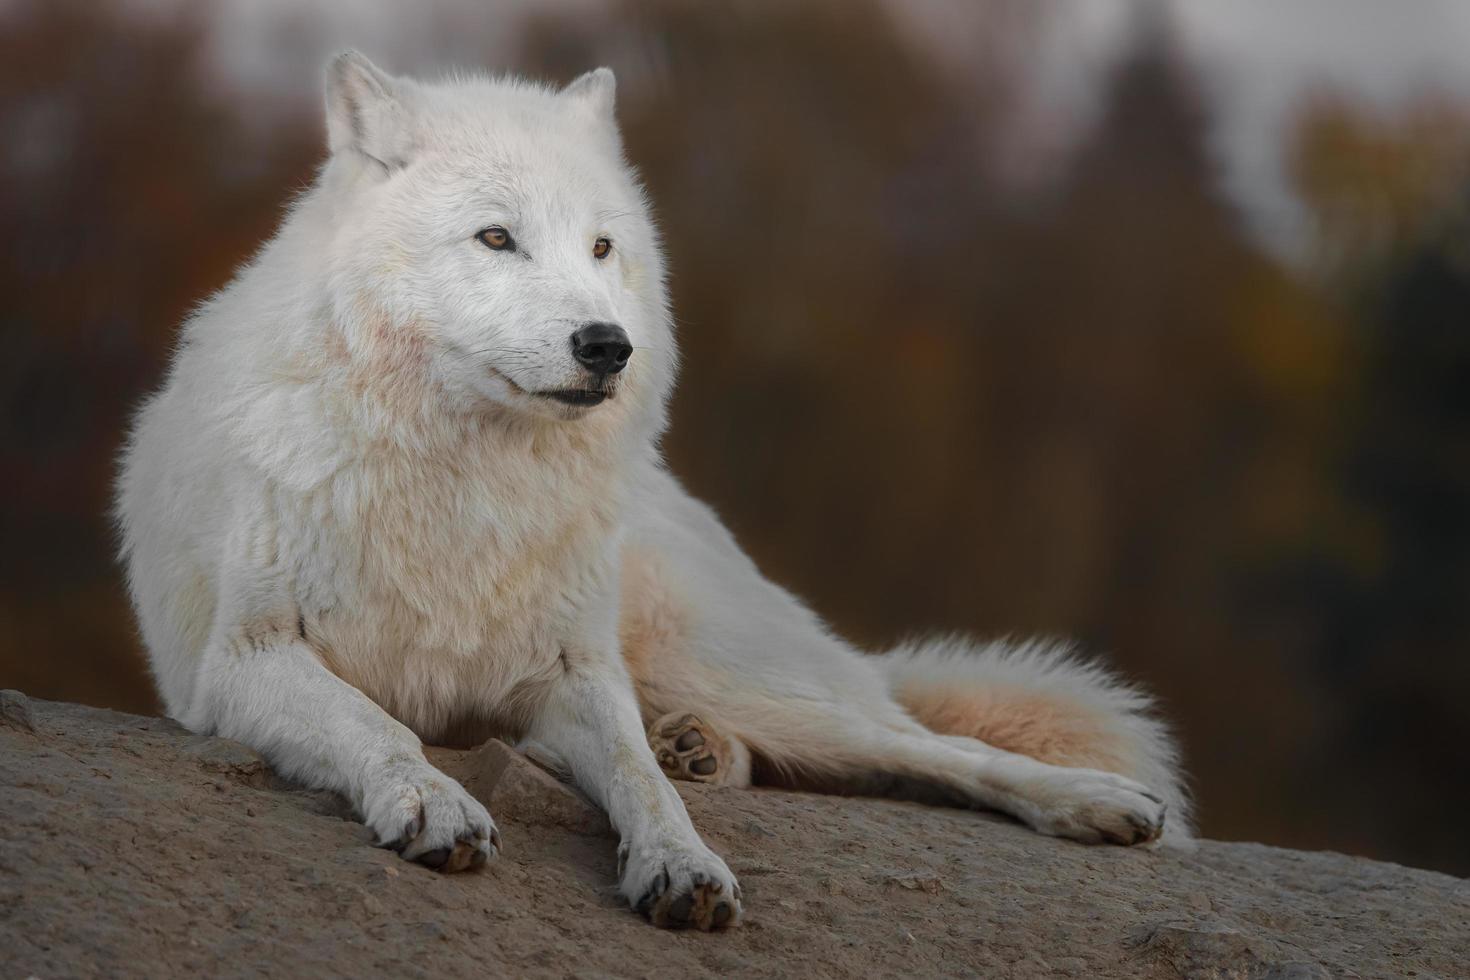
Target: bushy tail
1039, 699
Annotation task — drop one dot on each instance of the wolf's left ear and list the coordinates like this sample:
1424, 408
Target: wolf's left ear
365, 111
595, 92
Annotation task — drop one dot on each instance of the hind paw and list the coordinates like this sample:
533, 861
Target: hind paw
687, 748
1099, 807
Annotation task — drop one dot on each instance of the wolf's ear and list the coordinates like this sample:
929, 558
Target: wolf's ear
594, 93
365, 111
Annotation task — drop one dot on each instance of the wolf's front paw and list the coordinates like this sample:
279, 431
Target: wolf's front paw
429, 818
1096, 807
679, 886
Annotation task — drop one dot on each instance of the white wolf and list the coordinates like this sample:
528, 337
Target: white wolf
403, 482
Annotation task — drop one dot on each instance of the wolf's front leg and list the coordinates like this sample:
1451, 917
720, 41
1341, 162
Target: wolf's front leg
268, 690
590, 720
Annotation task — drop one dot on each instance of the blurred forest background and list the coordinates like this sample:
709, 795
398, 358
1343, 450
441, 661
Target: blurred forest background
1143, 323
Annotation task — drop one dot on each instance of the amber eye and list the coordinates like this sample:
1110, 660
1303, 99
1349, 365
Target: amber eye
601, 247
497, 238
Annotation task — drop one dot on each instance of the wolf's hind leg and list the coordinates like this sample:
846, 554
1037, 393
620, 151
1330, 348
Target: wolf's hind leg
855, 749
687, 747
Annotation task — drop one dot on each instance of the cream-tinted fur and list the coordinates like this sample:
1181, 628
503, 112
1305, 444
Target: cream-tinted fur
774, 691
352, 520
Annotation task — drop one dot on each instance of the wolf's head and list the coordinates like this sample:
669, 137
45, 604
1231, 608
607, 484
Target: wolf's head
489, 240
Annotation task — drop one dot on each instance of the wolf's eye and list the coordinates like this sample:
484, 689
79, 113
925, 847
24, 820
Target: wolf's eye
601, 247
497, 238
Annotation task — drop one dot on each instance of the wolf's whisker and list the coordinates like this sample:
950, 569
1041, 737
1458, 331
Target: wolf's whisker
496, 350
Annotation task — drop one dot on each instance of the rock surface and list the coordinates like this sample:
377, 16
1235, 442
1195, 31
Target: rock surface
129, 847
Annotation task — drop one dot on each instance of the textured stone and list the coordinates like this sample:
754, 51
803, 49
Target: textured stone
15, 711
221, 755
131, 848
515, 789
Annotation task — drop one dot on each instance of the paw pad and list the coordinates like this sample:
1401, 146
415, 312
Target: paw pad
686, 748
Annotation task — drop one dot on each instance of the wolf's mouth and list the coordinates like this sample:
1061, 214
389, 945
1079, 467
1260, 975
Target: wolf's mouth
581, 397
576, 397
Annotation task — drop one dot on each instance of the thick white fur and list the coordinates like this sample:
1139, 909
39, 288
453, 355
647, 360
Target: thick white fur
350, 523
704, 632
992, 688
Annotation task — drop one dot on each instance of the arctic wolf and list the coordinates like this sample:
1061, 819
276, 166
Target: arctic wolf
403, 482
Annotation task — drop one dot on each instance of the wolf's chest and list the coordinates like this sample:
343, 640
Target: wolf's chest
463, 575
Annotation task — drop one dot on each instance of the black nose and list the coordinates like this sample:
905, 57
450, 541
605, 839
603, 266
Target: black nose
602, 348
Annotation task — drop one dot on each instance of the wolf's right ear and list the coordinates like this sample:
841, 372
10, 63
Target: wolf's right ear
594, 91
365, 112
